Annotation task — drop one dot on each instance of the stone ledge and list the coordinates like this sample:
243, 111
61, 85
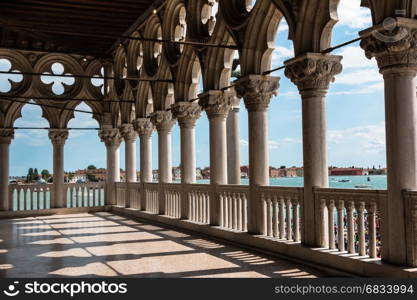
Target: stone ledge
332, 262
51, 211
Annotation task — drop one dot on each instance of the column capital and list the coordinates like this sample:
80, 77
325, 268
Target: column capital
163, 120
312, 73
128, 133
216, 103
187, 113
393, 44
110, 136
143, 126
6, 136
58, 136
257, 91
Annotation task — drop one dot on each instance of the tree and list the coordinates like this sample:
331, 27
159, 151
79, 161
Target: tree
30, 175
35, 174
91, 178
45, 174
92, 167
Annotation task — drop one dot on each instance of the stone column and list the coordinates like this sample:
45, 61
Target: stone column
163, 122
58, 138
187, 114
312, 73
395, 50
217, 107
6, 136
233, 141
112, 139
129, 135
257, 91
145, 128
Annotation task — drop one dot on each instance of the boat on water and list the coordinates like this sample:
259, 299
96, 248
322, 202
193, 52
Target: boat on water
363, 186
344, 180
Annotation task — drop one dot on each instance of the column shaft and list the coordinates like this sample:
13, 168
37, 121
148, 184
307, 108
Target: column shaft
233, 147
218, 150
129, 135
313, 73
6, 136
257, 91
164, 156
58, 138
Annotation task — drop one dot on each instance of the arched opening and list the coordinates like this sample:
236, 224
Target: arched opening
31, 159
8, 80
355, 106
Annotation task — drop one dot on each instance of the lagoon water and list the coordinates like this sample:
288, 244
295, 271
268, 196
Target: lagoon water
377, 182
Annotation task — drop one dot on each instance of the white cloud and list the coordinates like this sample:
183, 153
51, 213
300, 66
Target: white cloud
273, 145
368, 89
351, 14
354, 57
369, 139
244, 143
359, 77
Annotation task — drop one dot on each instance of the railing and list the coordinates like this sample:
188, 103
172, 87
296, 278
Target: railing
30, 196
84, 194
198, 196
353, 219
172, 197
152, 197
281, 212
233, 206
128, 194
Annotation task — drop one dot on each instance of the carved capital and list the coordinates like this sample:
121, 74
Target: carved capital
394, 46
58, 136
313, 72
127, 131
215, 103
110, 136
257, 91
187, 113
6, 136
144, 126
163, 120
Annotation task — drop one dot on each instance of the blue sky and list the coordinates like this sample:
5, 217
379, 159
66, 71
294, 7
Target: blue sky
355, 114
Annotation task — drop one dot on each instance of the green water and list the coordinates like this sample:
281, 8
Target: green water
377, 182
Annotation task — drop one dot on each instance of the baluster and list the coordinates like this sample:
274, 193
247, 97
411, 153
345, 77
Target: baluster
296, 220
221, 210
198, 207
230, 210
207, 207
226, 210
94, 195
281, 218
32, 199
77, 196
361, 228
275, 229
239, 211
167, 203
234, 199
350, 227
332, 243
191, 206
245, 213
264, 221
372, 229
269, 215
289, 219
38, 201
25, 200
18, 204
340, 226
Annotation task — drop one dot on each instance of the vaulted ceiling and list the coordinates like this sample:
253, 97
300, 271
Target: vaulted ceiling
90, 27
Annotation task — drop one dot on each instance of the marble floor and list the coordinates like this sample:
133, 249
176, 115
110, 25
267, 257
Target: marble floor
104, 244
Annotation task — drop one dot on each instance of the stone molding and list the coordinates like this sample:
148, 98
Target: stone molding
395, 48
313, 72
143, 126
187, 113
6, 136
215, 103
163, 120
128, 133
58, 137
257, 91
110, 136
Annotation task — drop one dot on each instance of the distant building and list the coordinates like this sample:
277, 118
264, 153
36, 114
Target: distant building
244, 171
347, 172
176, 173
